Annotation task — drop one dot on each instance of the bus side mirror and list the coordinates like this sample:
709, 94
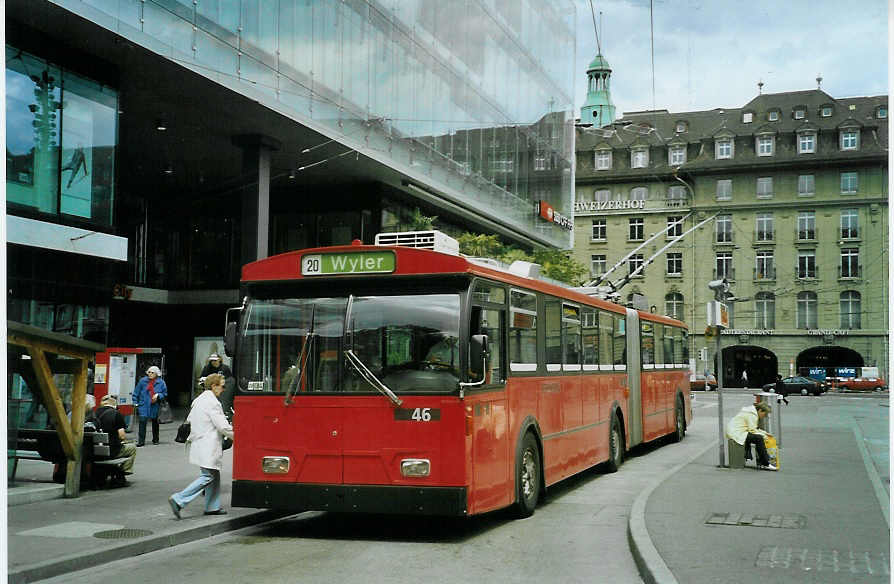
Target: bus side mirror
477, 354
230, 339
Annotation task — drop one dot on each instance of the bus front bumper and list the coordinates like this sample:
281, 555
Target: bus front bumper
350, 498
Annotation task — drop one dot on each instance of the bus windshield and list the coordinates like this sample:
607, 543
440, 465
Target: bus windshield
409, 342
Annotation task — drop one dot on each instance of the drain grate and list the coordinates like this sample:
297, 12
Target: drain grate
807, 560
122, 533
788, 521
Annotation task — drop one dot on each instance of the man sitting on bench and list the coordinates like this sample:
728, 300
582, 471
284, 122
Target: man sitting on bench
112, 422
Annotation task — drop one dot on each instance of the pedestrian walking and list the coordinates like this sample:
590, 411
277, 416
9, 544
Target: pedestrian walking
148, 393
780, 388
744, 431
208, 427
744, 378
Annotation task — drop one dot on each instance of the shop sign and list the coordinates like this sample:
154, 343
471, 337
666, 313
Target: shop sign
845, 371
764, 332
548, 213
824, 332
613, 205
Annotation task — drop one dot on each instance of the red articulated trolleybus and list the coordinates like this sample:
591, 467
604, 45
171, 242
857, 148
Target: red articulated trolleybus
393, 379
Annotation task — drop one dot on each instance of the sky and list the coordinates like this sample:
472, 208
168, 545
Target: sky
712, 53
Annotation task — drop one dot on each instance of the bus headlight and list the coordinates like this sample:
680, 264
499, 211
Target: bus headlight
415, 467
275, 464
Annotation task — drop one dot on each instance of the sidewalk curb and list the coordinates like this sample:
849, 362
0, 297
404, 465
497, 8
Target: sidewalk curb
651, 565
136, 547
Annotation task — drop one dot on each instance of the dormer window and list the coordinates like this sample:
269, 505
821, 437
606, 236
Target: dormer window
681, 127
849, 139
806, 142
676, 155
773, 116
747, 117
603, 160
800, 113
882, 112
826, 111
639, 158
765, 145
723, 148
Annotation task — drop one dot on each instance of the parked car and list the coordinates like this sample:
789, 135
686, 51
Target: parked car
862, 384
798, 385
699, 382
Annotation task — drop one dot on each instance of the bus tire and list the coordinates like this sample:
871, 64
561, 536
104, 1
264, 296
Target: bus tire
528, 475
615, 446
679, 421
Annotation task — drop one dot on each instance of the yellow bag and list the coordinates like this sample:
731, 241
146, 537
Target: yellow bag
772, 450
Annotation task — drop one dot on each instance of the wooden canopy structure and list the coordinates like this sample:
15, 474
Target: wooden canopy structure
51, 353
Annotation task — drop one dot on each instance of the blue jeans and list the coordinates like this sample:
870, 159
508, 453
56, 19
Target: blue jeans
209, 481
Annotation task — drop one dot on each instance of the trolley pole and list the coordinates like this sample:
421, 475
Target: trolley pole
718, 318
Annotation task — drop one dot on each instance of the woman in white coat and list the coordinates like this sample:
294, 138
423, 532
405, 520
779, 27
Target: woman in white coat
208, 427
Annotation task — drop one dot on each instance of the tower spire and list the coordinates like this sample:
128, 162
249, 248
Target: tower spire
598, 109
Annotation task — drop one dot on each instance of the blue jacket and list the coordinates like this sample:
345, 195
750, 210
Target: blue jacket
141, 398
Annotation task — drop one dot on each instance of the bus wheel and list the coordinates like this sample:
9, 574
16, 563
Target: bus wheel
527, 477
680, 422
615, 446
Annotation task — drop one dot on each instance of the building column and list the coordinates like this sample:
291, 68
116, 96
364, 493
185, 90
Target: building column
256, 155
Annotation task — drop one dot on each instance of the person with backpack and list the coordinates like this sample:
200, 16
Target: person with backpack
204, 447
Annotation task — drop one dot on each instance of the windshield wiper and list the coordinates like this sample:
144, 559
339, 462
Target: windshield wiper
371, 378
304, 356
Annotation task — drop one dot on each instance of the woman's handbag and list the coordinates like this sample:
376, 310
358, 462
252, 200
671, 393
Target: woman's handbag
227, 443
165, 414
183, 432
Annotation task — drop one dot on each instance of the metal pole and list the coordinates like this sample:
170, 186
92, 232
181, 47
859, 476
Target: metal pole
720, 433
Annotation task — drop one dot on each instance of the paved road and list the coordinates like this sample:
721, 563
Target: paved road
579, 534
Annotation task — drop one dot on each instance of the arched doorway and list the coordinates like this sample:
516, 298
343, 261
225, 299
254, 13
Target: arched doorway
758, 363
827, 357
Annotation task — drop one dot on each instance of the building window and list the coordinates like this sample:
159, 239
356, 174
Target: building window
61, 137
806, 143
676, 155
850, 224
639, 158
773, 116
765, 187
636, 229
850, 263
603, 159
723, 228
599, 229
674, 264
724, 189
597, 265
674, 226
639, 193
806, 225
673, 305
681, 127
723, 265
765, 145
764, 227
882, 112
764, 311
602, 195
541, 162
806, 185
806, 318
634, 263
850, 140
676, 196
807, 264
764, 268
747, 117
723, 148
849, 182
800, 113
849, 306
826, 111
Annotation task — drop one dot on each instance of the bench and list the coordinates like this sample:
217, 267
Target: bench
44, 444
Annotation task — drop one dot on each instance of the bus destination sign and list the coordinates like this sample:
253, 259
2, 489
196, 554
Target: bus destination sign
352, 262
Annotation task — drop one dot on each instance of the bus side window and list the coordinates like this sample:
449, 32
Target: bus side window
684, 347
571, 337
659, 344
553, 320
606, 323
619, 350
491, 322
590, 337
670, 338
647, 340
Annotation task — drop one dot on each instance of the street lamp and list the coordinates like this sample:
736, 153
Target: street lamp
718, 319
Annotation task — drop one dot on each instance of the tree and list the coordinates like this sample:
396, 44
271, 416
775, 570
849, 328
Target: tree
420, 222
556, 264
559, 265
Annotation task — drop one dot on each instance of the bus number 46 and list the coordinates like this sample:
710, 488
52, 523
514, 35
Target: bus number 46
421, 415
417, 414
